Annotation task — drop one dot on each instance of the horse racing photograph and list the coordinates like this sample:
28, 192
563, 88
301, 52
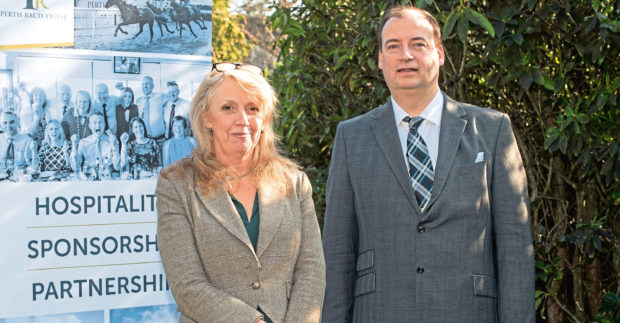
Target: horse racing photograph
149, 26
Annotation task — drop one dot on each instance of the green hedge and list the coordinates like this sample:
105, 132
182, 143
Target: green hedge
551, 65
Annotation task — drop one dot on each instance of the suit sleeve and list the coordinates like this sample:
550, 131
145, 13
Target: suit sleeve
309, 275
339, 235
511, 224
194, 295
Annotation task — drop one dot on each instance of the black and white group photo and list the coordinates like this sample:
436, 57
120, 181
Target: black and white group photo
99, 125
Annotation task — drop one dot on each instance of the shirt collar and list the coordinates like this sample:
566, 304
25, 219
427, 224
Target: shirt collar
431, 113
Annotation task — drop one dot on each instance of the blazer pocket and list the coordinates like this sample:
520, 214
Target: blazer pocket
474, 168
484, 286
364, 284
289, 288
365, 260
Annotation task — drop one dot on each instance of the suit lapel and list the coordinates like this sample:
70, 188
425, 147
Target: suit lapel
386, 134
450, 134
221, 208
272, 209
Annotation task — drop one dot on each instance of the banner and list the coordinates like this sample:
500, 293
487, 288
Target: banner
36, 23
78, 224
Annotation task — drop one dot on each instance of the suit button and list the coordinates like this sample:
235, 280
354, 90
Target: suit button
420, 270
421, 229
255, 285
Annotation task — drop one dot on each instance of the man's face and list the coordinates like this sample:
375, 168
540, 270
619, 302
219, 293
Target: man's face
9, 124
409, 57
65, 95
102, 93
147, 86
173, 93
96, 124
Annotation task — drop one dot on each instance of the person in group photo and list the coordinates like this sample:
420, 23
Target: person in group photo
34, 118
99, 148
151, 109
427, 209
138, 151
55, 151
175, 106
126, 110
17, 150
106, 104
63, 103
180, 145
237, 230
75, 120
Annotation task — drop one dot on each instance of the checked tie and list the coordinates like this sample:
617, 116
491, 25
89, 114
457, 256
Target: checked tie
420, 166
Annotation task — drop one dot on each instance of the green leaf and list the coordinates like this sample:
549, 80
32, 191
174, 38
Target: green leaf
461, 29
449, 25
518, 38
526, 80
480, 20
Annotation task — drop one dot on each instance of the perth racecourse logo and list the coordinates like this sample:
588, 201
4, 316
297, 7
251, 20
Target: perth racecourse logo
35, 4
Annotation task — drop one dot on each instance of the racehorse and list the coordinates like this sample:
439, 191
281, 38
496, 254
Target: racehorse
161, 13
184, 15
132, 15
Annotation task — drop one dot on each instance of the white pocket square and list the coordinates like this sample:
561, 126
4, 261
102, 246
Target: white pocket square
479, 157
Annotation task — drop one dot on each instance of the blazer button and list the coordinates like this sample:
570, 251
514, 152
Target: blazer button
255, 285
421, 229
420, 270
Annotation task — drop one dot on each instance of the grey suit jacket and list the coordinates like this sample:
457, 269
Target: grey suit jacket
468, 258
213, 271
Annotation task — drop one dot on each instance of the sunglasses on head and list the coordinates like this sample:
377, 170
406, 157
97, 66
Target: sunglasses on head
228, 66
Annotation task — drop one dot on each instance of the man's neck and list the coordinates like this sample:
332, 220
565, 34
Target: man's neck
414, 101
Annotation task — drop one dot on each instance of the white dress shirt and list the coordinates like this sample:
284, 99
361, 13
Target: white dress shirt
155, 126
429, 129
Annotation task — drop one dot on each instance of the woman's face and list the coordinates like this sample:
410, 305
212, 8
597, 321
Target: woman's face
127, 98
177, 129
235, 119
83, 103
38, 99
137, 129
54, 131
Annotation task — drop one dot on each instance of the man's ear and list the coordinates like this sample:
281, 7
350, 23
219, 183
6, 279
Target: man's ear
380, 60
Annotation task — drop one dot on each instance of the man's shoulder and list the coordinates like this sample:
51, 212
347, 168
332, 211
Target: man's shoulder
22, 137
482, 113
362, 120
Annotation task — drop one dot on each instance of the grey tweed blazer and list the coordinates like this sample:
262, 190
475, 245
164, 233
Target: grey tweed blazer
213, 271
468, 258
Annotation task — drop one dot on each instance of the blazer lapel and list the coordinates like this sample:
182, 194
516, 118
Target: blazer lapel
271, 208
386, 134
450, 133
221, 208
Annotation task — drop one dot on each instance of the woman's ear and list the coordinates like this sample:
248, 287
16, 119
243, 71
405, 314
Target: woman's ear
205, 120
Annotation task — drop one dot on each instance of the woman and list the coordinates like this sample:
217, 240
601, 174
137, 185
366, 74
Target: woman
75, 120
138, 150
237, 231
55, 151
125, 111
179, 145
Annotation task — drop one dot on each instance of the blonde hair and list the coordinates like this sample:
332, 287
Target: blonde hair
268, 167
47, 137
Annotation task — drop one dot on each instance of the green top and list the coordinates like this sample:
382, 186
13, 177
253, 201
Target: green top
251, 227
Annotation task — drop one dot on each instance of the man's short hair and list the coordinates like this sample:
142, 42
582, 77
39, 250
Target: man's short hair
399, 11
172, 83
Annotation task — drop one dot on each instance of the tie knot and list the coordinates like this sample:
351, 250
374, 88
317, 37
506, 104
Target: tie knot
414, 122
173, 105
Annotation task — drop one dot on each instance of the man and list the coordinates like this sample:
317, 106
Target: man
427, 207
175, 107
17, 150
151, 110
106, 103
100, 146
64, 104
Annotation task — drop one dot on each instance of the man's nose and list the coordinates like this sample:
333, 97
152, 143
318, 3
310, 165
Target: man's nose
405, 54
